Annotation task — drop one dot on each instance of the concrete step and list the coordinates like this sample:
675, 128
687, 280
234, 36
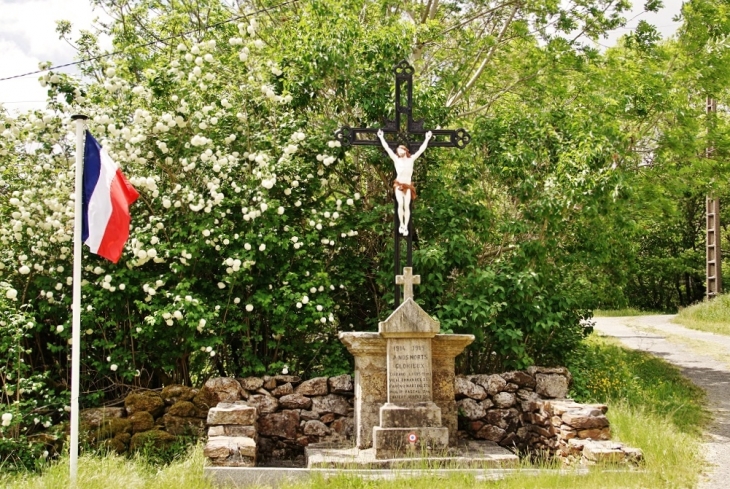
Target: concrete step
467, 454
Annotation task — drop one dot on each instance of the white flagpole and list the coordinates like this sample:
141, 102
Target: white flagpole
76, 307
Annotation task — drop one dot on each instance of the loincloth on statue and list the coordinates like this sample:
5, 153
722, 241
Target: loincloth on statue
403, 187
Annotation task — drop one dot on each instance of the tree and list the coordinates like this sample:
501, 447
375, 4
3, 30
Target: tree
257, 237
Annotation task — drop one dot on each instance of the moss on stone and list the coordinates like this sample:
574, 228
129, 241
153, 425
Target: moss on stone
155, 438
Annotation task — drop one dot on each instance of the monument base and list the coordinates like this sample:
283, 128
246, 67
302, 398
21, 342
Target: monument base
398, 442
410, 415
466, 454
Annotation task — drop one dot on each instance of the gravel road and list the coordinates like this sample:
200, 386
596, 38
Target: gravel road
704, 358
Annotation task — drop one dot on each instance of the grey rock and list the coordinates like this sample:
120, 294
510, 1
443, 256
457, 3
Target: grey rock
231, 451
344, 426
295, 401
251, 383
489, 432
522, 379
470, 409
314, 427
264, 404
269, 383
465, 388
287, 379
283, 390
552, 386
232, 430
498, 417
313, 387
332, 403
486, 403
307, 415
283, 424
504, 400
235, 414
582, 420
342, 384
492, 383
527, 395
223, 389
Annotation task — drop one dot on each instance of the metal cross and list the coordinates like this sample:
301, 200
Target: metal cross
408, 132
407, 280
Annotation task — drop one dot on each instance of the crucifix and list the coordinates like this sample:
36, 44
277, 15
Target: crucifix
409, 133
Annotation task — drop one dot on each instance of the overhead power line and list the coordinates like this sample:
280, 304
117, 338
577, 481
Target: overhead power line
147, 44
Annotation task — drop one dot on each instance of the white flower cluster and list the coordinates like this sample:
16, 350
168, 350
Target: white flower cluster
7, 419
199, 140
326, 160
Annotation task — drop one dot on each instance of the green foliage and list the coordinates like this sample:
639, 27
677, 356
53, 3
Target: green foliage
167, 454
29, 401
607, 373
712, 316
257, 238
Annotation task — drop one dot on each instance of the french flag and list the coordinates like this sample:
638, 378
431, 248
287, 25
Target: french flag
106, 200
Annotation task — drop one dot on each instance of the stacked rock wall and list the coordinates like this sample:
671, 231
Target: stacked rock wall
232, 435
148, 418
526, 410
292, 414
501, 407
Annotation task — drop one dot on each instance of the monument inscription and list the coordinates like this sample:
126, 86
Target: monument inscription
409, 367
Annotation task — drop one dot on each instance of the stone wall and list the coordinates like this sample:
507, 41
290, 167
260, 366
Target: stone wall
504, 408
527, 410
521, 409
290, 414
147, 418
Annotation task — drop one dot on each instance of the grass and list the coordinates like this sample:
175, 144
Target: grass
711, 316
629, 311
605, 372
116, 472
650, 406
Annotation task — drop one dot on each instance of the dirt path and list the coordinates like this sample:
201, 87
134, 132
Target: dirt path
704, 358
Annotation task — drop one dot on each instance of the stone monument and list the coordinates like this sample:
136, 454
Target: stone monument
404, 381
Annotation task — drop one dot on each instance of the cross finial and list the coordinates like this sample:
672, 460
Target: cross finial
407, 280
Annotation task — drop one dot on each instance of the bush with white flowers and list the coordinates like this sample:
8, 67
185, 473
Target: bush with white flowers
221, 248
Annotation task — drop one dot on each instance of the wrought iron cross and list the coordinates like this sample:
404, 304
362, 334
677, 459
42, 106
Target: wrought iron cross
408, 132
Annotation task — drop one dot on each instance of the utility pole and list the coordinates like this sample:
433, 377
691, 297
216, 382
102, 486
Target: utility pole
714, 256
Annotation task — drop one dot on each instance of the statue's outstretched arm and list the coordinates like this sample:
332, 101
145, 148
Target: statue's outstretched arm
423, 146
385, 146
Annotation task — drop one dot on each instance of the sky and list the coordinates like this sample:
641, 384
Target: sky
28, 36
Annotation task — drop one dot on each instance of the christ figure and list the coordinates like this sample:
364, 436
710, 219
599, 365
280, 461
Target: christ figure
404, 189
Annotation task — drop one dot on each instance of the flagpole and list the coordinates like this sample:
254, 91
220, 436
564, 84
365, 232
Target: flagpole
76, 307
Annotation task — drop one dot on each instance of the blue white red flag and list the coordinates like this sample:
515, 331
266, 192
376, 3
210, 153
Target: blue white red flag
107, 196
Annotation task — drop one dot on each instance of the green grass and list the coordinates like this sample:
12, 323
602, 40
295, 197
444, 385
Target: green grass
116, 472
712, 316
605, 372
629, 311
650, 407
